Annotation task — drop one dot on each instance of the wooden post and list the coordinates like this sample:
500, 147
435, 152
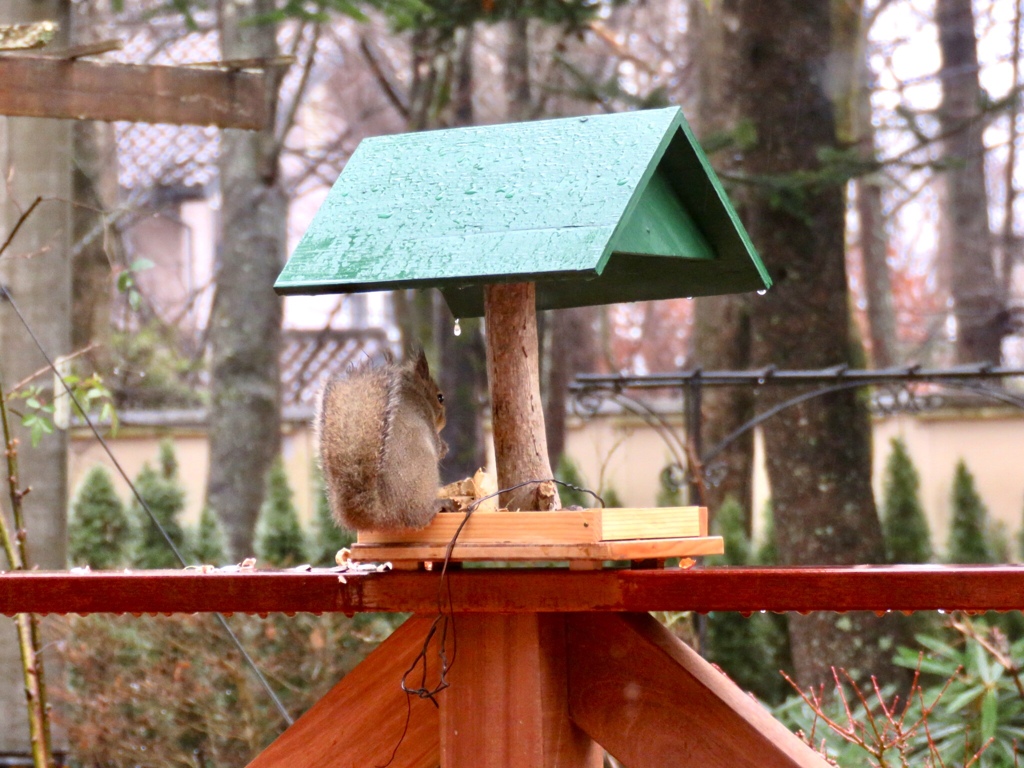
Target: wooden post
517, 416
508, 701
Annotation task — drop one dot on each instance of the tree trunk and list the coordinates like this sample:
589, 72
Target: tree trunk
854, 128
520, 442
774, 65
517, 71
572, 350
462, 90
245, 323
874, 244
463, 367
462, 378
95, 191
418, 314
978, 301
35, 160
1009, 242
721, 330
721, 340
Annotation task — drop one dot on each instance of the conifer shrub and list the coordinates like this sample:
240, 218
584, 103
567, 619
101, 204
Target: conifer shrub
279, 537
99, 531
751, 649
728, 523
969, 532
669, 495
1020, 542
999, 542
163, 493
568, 472
973, 538
167, 460
328, 537
206, 543
904, 524
767, 552
611, 498
174, 691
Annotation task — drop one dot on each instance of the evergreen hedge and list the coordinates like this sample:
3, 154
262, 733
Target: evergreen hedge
279, 537
968, 532
328, 537
165, 496
904, 524
99, 531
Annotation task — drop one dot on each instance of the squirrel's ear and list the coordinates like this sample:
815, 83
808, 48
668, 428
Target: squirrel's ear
422, 369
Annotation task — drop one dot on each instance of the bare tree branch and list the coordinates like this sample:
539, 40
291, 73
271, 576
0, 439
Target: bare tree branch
300, 91
388, 83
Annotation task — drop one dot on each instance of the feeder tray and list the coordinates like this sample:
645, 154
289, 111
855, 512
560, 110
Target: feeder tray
585, 538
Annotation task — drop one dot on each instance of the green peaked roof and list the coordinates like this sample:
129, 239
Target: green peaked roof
595, 210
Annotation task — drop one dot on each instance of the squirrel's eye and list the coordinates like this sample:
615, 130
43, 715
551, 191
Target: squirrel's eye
440, 398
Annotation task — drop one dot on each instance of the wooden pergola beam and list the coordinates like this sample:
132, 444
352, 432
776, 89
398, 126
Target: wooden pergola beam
40, 86
837, 588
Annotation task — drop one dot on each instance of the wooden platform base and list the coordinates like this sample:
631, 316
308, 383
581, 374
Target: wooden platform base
594, 535
638, 549
540, 690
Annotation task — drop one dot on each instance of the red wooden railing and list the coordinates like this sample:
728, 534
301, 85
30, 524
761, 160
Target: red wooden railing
836, 588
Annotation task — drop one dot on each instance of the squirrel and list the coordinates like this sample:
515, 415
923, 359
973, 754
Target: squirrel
378, 434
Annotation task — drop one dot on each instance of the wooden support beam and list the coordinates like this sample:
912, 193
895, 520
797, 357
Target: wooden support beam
40, 86
362, 718
513, 378
521, 590
506, 705
651, 701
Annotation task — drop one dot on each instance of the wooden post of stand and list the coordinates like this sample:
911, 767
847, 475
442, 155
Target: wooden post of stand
508, 700
513, 376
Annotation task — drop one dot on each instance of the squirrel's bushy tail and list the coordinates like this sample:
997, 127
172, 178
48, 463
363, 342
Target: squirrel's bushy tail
378, 446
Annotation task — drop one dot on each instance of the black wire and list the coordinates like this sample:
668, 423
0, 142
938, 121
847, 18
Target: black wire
446, 620
405, 730
142, 502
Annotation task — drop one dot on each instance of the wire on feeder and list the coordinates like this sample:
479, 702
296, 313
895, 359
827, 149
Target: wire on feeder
445, 620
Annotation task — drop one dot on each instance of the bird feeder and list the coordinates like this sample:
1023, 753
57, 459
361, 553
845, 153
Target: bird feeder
509, 219
506, 220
